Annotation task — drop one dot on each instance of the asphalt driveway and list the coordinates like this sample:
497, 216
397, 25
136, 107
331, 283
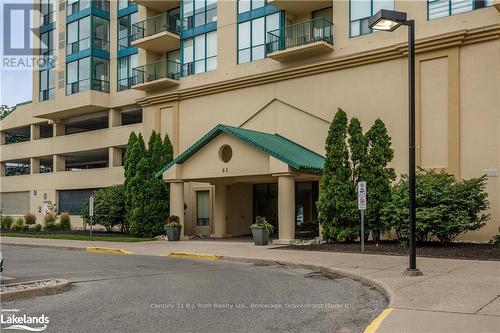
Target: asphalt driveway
132, 293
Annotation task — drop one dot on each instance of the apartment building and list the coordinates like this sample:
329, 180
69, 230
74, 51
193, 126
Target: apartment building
246, 91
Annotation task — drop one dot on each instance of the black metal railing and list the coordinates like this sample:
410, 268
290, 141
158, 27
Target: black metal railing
156, 24
156, 70
303, 33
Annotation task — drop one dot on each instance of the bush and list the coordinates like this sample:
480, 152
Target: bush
6, 222
49, 223
18, 225
446, 207
65, 222
109, 207
36, 227
29, 218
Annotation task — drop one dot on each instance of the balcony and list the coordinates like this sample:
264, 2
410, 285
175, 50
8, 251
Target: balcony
158, 34
300, 7
300, 41
160, 6
158, 75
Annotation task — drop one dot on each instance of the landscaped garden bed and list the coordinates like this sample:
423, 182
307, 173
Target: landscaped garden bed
77, 235
453, 250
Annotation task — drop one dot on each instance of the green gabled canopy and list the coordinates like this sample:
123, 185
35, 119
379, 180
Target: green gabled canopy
293, 154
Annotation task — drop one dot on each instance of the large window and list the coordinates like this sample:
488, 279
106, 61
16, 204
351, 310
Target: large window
125, 65
100, 34
47, 84
122, 4
197, 13
74, 6
252, 36
78, 36
125, 30
248, 5
199, 54
47, 43
90, 73
442, 8
72, 201
47, 12
361, 10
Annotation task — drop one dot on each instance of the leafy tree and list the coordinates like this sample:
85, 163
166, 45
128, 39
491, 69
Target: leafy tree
378, 176
336, 203
135, 152
109, 207
446, 207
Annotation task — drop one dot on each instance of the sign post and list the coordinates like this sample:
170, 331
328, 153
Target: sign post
91, 212
362, 208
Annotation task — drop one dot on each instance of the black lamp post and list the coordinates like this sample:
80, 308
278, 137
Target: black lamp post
390, 20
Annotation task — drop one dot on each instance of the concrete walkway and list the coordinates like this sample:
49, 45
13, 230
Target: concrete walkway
452, 295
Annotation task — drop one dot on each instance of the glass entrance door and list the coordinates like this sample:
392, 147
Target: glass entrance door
202, 224
265, 202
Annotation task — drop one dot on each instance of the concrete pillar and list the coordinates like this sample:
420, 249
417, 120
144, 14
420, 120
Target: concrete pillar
115, 157
2, 169
177, 202
114, 118
2, 138
58, 128
220, 211
286, 209
59, 163
34, 132
34, 165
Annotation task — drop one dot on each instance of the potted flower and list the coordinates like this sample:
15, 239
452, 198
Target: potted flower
261, 230
173, 228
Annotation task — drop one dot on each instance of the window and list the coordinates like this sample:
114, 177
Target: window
125, 30
47, 43
197, 13
442, 8
360, 12
125, 75
122, 4
101, 34
78, 36
252, 37
248, 5
202, 212
72, 201
199, 54
78, 75
47, 84
74, 6
47, 12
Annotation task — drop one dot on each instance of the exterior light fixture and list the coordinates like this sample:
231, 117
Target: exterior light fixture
390, 20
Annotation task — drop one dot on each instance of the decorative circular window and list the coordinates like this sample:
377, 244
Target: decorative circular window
225, 153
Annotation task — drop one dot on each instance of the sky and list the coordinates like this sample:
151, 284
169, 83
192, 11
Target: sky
15, 82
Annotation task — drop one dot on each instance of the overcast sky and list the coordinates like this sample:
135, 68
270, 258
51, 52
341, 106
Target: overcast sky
15, 83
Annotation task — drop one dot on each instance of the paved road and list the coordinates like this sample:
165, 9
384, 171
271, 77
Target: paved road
132, 293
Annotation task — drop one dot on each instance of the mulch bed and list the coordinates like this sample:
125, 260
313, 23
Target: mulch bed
428, 249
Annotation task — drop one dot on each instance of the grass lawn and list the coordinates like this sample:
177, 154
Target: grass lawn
76, 236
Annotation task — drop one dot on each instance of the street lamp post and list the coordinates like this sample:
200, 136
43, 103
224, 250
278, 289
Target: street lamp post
390, 20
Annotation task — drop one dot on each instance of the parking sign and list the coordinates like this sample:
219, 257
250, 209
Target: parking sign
362, 195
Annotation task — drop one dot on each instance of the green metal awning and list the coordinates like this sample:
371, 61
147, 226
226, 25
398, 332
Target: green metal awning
287, 151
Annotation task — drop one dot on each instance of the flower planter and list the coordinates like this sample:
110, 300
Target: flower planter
260, 236
173, 232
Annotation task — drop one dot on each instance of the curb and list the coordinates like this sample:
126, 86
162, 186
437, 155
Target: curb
195, 256
37, 291
375, 324
107, 250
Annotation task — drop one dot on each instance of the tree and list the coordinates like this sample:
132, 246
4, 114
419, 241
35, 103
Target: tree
446, 207
358, 147
109, 207
133, 155
378, 176
336, 203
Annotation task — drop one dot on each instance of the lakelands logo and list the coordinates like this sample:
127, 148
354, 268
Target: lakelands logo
10, 319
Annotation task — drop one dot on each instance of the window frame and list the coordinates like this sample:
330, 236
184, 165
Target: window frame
362, 19
191, 65
486, 4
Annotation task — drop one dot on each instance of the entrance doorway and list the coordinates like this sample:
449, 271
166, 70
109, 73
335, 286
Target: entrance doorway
202, 221
265, 203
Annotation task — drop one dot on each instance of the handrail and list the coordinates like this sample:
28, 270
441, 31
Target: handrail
302, 33
156, 24
157, 70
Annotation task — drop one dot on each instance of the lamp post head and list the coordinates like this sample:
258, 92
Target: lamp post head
387, 20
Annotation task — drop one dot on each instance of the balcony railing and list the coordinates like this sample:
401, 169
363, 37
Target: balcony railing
299, 34
155, 71
156, 24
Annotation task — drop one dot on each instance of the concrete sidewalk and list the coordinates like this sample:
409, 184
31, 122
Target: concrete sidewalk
451, 296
